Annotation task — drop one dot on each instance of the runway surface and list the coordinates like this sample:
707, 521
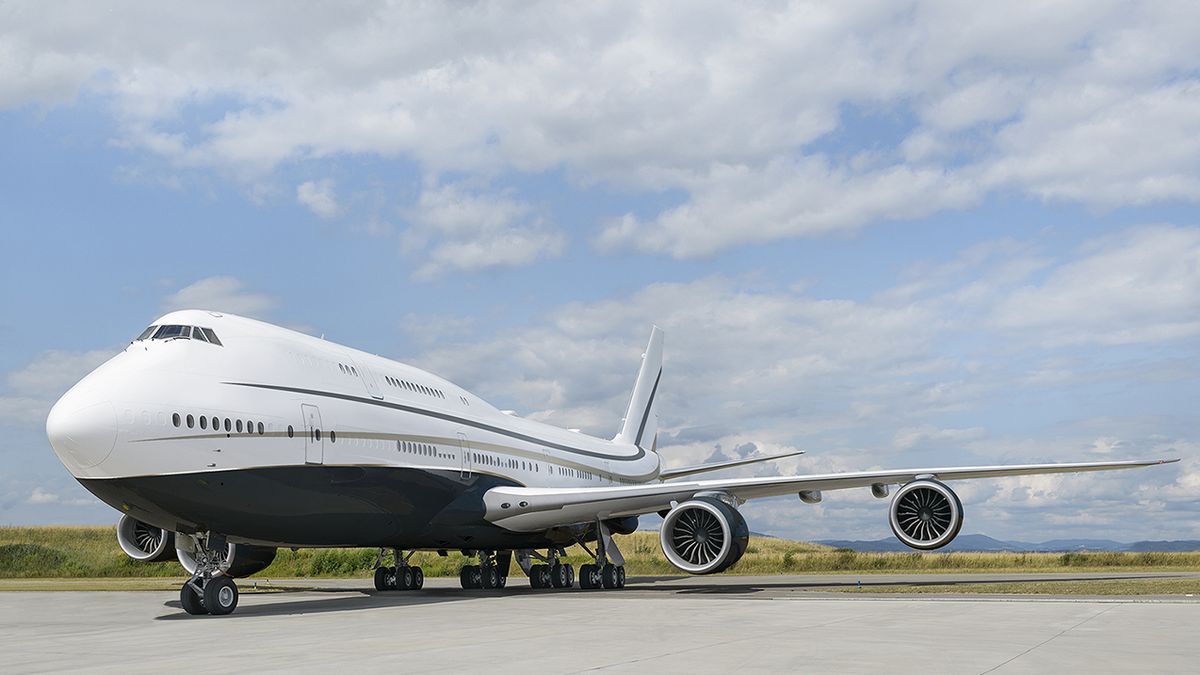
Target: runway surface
697, 625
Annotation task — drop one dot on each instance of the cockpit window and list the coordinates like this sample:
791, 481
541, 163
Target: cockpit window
145, 334
169, 332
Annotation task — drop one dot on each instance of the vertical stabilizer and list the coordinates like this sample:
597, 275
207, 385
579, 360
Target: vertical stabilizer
641, 419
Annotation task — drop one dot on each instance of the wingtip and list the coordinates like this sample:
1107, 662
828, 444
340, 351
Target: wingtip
1168, 461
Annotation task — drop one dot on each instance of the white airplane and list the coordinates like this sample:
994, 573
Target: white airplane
221, 438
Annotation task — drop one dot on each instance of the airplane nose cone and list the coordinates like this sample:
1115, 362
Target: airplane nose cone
82, 432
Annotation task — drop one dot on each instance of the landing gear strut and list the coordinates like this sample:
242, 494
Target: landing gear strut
609, 568
209, 591
402, 576
491, 572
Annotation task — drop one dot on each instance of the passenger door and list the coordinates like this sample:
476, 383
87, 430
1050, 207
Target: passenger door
465, 452
369, 381
314, 439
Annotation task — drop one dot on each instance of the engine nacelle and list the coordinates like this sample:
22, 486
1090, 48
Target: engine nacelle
925, 514
144, 542
240, 560
704, 536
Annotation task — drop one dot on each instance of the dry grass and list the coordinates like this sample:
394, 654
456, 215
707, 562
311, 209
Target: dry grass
92, 552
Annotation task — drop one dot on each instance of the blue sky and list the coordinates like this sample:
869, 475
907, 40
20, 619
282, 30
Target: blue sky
864, 238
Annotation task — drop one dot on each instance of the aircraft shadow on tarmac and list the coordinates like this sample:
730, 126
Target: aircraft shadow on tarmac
349, 600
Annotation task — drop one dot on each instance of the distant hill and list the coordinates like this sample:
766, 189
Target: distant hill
982, 542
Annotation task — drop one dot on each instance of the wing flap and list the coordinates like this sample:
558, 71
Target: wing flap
552, 507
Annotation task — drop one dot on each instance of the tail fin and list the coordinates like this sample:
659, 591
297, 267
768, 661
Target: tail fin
641, 421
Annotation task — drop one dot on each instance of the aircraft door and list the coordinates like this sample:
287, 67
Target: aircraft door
368, 380
314, 439
465, 454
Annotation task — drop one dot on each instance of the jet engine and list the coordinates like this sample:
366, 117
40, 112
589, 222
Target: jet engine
925, 514
145, 542
240, 560
704, 535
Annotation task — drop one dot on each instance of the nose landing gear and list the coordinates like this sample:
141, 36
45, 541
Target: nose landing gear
209, 591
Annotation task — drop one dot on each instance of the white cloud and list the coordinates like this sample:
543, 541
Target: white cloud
1141, 285
32, 390
226, 294
1091, 102
40, 496
318, 197
457, 227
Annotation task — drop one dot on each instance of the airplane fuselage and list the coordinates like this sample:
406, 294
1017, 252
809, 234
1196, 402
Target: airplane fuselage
273, 437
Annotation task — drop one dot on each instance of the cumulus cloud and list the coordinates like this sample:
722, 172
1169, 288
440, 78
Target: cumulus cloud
1141, 285
318, 197
750, 123
458, 227
32, 389
226, 294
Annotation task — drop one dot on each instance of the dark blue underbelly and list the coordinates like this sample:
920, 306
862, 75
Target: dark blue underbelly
320, 505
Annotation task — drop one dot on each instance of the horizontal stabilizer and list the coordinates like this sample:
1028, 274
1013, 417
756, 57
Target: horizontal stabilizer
717, 466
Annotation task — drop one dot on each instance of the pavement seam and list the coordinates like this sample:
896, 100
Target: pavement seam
1046, 641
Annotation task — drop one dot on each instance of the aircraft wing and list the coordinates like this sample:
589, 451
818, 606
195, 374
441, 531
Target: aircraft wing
523, 509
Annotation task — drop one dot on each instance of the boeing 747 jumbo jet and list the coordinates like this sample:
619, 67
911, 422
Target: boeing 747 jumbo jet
221, 438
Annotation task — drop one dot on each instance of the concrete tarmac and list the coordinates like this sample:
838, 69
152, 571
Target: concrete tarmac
694, 625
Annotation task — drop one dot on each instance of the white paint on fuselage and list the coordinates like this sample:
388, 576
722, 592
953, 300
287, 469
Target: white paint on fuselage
264, 374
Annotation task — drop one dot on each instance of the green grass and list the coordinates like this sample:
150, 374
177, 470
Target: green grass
92, 552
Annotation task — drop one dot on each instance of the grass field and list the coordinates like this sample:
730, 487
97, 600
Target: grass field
92, 553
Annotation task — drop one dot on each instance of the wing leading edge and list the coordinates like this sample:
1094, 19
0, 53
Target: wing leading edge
552, 507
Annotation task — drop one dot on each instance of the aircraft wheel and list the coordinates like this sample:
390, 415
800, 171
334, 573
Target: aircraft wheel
418, 578
404, 579
467, 577
489, 577
570, 576
193, 602
381, 578
608, 576
220, 595
620, 576
587, 575
558, 575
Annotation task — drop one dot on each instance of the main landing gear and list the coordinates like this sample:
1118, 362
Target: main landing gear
608, 572
491, 572
401, 577
553, 573
209, 591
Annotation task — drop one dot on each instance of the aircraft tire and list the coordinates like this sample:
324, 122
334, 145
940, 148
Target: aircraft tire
193, 602
587, 576
381, 578
558, 575
220, 595
418, 578
608, 576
